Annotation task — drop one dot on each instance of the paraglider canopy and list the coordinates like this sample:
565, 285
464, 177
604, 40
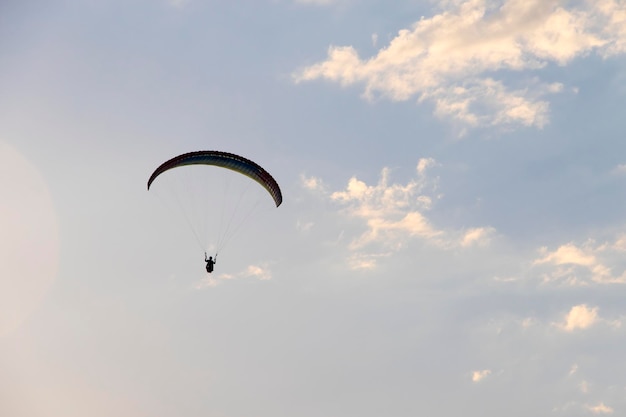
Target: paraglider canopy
225, 160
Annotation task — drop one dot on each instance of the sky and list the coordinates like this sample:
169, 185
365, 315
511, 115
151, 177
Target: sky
452, 238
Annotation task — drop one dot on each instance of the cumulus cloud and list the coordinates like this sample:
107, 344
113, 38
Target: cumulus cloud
394, 213
391, 211
477, 236
580, 317
600, 409
452, 58
567, 254
260, 272
424, 164
478, 376
311, 183
366, 261
620, 169
611, 15
585, 264
528, 322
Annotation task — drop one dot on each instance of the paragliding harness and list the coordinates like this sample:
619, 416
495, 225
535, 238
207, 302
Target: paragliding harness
210, 262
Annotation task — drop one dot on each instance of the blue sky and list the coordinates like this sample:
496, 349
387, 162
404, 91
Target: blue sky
452, 236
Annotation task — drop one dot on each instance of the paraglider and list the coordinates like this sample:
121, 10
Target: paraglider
210, 262
197, 200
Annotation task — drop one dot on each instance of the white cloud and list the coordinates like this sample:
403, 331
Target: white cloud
312, 183
413, 224
585, 264
258, 272
600, 409
477, 236
207, 282
451, 58
395, 213
365, 261
567, 254
620, 244
478, 376
580, 317
262, 273
304, 227
424, 163
389, 210
612, 20
528, 322
620, 169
